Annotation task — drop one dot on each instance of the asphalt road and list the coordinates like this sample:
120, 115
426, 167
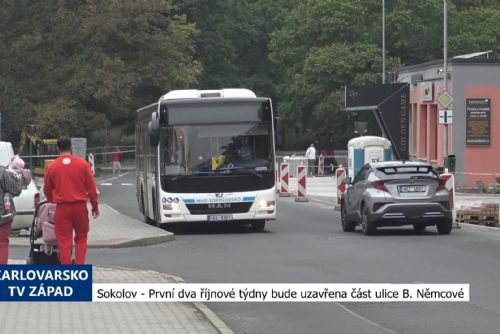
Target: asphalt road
307, 245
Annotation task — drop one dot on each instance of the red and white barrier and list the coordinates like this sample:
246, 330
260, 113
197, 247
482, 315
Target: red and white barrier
450, 185
284, 177
301, 184
340, 173
277, 177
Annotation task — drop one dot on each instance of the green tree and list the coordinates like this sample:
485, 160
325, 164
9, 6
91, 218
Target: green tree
233, 41
320, 48
475, 29
101, 60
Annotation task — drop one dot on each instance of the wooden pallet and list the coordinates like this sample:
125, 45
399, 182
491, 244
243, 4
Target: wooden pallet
478, 219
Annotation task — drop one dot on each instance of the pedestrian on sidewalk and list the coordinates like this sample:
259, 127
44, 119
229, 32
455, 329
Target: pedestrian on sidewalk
311, 159
69, 183
12, 184
115, 160
16, 168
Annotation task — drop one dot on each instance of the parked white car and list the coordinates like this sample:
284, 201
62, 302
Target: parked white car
30, 196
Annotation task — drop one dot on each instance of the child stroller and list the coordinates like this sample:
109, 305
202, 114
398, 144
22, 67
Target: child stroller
43, 226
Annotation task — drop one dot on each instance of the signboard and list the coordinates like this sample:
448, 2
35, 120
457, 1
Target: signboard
391, 103
445, 117
478, 119
79, 147
445, 99
427, 91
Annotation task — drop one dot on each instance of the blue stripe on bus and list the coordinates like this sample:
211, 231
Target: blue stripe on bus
244, 199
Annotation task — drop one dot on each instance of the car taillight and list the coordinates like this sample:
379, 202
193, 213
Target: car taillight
379, 185
441, 184
37, 199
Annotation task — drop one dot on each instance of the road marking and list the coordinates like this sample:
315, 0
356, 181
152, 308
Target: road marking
106, 184
127, 184
365, 319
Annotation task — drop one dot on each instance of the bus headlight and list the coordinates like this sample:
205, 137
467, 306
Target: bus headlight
263, 204
171, 207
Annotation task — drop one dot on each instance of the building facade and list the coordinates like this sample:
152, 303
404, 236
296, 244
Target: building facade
474, 135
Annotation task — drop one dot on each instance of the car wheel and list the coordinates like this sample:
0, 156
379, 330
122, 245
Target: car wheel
258, 225
347, 225
419, 228
369, 228
444, 227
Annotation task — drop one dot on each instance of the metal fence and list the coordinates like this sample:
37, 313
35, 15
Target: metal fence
102, 154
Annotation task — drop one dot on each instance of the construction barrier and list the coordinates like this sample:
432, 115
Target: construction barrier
341, 175
450, 185
301, 184
277, 177
284, 176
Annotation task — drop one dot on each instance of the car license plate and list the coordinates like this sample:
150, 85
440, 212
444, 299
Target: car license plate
216, 218
412, 189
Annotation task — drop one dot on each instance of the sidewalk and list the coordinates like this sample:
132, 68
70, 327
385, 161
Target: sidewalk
323, 189
120, 317
112, 229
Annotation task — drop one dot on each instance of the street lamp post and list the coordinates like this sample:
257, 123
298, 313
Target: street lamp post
383, 41
445, 68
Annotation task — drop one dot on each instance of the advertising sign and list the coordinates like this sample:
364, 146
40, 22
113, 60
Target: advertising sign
392, 105
478, 119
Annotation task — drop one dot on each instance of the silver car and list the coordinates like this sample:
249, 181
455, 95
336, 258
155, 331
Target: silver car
396, 193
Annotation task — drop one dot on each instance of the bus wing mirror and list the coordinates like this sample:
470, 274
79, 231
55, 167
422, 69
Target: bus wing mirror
154, 129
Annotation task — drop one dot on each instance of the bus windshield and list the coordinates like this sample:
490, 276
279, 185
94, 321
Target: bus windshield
210, 149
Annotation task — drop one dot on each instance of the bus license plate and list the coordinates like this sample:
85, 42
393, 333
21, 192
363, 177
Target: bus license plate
216, 218
412, 189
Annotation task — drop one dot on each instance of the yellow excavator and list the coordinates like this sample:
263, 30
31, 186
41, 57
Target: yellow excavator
38, 153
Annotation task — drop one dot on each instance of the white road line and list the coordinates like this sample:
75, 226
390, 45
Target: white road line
106, 184
365, 319
127, 184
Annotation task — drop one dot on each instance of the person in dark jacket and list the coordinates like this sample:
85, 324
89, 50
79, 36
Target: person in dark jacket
69, 183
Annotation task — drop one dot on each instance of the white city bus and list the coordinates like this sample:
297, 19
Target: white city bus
206, 155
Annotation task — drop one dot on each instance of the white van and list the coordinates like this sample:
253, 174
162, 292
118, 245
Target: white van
30, 196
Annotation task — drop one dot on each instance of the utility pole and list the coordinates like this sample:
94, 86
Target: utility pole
383, 41
445, 68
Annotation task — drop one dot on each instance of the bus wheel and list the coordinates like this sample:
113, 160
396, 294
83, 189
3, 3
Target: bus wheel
258, 225
147, 220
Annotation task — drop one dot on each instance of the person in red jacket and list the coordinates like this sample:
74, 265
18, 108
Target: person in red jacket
115, 159
69, 183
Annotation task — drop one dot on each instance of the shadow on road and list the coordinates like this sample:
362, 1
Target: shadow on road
211, 228
405, 231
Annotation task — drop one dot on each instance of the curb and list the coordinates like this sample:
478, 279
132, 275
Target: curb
488, 229
109, 243
123, 243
